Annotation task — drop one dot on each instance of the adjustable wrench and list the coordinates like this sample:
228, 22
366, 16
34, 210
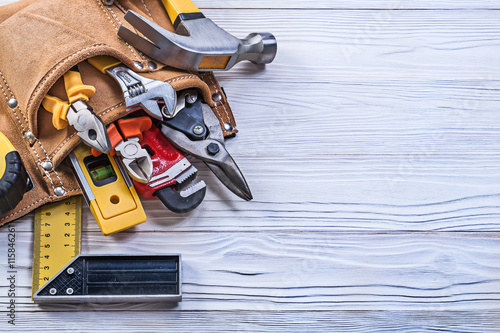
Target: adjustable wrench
139, 91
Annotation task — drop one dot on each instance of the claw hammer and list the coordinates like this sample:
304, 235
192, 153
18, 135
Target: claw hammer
198, 43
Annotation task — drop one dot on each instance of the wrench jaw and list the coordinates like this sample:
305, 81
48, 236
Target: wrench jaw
154, 93
143, 93
164, 91
184, 196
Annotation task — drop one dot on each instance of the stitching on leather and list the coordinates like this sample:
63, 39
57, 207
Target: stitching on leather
62, 144
149, 13
221, 102
112, 108
45, 171
47, 174
15, 113
72, 135
55, 172
114, 15
33, 204
33, 146
215, 103
12, 94
40, 85
183, 77
117, 4
105, 12
19, 211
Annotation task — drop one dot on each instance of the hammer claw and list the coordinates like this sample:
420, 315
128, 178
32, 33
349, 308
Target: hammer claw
135, 39
152, 31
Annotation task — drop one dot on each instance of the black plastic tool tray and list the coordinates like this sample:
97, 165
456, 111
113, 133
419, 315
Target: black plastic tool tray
115, 278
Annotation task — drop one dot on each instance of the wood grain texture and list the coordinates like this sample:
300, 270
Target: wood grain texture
371, 145
342, 194
345, 4
268, 321
307, 271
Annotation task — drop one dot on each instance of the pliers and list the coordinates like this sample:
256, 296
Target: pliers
125, 137
196, 130
77, 113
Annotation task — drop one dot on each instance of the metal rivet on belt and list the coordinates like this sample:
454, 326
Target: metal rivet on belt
138, 65
108, 2
228, 127
59, 191
53, 291
28, 136
69, 291
217, 97
152, 65
47, 165
12, 102
70, 270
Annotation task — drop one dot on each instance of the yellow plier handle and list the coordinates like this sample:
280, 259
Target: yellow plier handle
75, 90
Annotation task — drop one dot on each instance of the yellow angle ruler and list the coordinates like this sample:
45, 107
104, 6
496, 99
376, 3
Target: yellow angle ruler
56, 238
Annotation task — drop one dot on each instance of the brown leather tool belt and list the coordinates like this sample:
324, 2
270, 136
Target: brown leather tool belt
39, 42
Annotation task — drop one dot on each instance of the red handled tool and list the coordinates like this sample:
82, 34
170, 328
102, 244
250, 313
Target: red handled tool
172, 172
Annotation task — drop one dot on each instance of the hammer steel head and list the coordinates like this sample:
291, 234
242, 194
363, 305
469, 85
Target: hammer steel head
206, 48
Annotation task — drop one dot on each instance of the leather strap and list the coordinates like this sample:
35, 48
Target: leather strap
219, 104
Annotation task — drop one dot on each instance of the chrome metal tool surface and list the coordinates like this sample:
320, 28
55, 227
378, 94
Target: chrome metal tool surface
198, 43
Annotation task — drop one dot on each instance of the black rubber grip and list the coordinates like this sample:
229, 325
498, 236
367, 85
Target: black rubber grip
178, 204
13, 184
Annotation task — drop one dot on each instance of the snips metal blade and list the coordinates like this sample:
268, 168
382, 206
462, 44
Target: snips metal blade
196, 131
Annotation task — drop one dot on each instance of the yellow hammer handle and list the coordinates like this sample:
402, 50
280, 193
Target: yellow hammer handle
177, 7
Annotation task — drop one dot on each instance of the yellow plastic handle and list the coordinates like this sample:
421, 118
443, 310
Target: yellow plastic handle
75, 89
5, 148
104, 62
5, 145
176, 7
58, 108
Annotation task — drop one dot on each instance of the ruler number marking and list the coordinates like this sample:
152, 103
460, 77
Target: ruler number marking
56, 239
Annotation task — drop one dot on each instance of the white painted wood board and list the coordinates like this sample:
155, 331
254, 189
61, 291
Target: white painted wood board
371, 146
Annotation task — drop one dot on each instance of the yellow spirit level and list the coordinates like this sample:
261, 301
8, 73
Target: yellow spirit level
109, 191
